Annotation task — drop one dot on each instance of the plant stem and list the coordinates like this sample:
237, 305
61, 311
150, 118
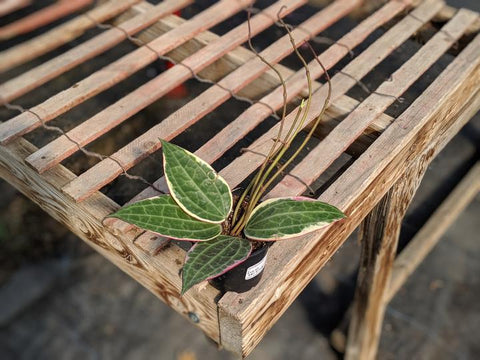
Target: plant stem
260, 187
261, 181
254, 183
310, 133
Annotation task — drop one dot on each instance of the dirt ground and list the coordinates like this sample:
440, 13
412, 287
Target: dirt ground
61, 300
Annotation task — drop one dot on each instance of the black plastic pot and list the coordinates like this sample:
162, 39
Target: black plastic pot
244, 276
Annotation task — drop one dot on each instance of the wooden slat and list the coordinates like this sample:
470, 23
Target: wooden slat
379, 234
223, 66
174, 124
343, 135
428, 236
341, 83
62, 147
39, 75
415, 134
42, 17
448, 12
9, 6
60, 35
238, 128
118, 70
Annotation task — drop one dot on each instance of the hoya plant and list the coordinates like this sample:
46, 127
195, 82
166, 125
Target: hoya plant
200, 207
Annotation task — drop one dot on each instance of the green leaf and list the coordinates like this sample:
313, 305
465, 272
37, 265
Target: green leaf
283, 218
163, 216
195, 186
209, 259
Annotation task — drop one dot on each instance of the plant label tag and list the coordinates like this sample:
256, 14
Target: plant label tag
256, 269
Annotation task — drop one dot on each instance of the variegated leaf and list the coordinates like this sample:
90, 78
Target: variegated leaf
282, 218
163, 216
195, 186
209, 259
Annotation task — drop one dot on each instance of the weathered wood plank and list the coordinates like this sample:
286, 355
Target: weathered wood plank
9, 6
345, 133
339, 110
42, 17
447, 12
341, 83
118, 70
159, 274
174, 124
291, 265
379, 236
429, 235
48, 70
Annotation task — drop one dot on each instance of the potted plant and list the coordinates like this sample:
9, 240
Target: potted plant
231, 234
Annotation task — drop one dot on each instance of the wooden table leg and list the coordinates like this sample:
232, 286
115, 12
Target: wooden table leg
379, 235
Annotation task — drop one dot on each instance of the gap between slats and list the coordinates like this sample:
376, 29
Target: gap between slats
39, 75
118, 70
162, 84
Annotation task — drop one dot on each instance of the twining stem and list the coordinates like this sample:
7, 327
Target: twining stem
288, 138
262, 181
254, 183
307, 138
242, 219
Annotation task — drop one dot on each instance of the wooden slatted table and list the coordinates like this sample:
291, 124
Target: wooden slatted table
382, 157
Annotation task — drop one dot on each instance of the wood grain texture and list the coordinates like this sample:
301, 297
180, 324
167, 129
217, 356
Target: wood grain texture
429, 235
349, 129
48, 70
159, 274
424, 241
173, 125
118, 70
447, 12
416, 134
91, 129
379, 234
42, 17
